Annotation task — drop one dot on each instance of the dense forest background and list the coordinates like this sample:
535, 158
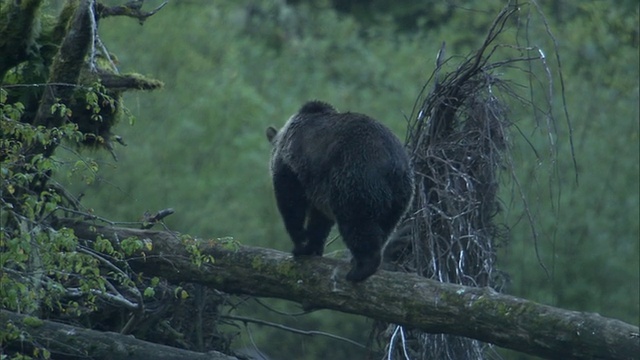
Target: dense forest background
231, 68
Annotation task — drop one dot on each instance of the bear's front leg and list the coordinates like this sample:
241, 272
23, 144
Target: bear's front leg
318, 228
292, 204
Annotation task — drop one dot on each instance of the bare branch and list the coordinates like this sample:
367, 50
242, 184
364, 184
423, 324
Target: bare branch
150, 220
131, 9
293, 330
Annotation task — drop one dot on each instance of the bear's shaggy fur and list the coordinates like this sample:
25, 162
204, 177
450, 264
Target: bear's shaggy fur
346, 168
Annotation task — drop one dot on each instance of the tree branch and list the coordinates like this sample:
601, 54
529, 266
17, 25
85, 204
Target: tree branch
17, 23
76, 341
67, 65
247, 320
131, 9
398, 298
123, 82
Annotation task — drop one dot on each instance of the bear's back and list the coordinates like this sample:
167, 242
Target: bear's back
347, 157
330, 141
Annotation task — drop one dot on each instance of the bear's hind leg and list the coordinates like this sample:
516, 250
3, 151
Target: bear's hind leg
365, 240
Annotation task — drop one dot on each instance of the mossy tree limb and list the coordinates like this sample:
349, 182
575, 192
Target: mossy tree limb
121, 82
67, 65
404, 299
17, 26
131, 9
76, 341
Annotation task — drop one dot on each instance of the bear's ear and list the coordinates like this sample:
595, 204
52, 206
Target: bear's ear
271, 133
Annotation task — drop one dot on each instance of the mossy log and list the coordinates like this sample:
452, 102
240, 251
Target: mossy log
76, 342
403, 299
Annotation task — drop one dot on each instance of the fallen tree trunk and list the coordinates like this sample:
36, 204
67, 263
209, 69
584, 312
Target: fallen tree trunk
76, 342
403, 299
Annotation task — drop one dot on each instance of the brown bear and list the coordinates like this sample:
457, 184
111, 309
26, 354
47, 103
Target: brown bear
346, 168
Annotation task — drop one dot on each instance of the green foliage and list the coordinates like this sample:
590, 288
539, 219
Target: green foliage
180, 292
39, 262
193, 248
45, 269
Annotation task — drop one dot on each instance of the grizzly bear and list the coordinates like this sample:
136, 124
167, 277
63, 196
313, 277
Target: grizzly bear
347, 168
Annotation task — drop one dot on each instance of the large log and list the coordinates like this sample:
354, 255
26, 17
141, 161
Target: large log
403, 299
75, 342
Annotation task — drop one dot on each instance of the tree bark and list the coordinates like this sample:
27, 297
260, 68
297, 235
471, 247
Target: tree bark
76, 342
16, 32
399, 298
67, 65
